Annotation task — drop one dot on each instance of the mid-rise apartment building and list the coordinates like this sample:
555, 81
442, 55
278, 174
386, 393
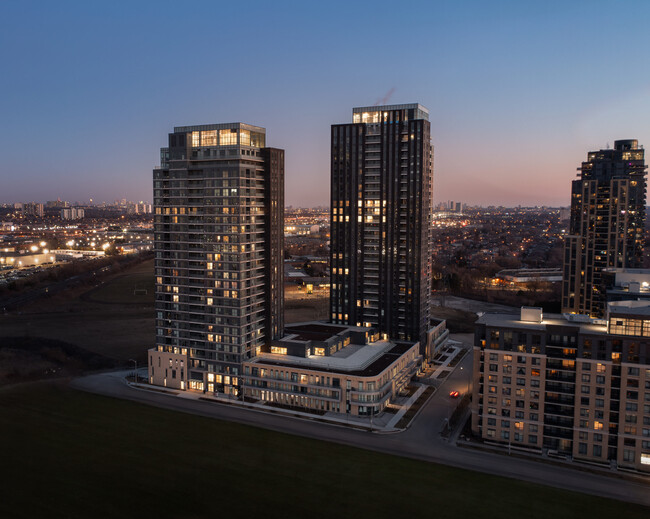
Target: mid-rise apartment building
607, 224
219, 245
323, 367
564, 384
72, 213
381, 203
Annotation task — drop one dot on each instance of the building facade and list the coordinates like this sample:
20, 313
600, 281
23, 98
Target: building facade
566, 385
219, 246
72, 213
607, 224
321, 367
381, 210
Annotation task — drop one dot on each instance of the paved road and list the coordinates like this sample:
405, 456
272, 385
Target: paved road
420, 441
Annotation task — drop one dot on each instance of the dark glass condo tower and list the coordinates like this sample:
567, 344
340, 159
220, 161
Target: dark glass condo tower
219, 248
607, 224
381, 200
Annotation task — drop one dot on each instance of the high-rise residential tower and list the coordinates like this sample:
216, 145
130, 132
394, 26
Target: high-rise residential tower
219, 210
381, 200
607, 224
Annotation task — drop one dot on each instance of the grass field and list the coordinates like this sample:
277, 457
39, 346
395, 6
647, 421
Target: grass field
72, 454
108, 320
136, 287
300, 306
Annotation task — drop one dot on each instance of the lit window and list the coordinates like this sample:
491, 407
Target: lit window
227, 137
209, 138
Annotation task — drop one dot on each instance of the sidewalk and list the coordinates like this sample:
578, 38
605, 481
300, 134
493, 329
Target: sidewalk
449, 352
384, 422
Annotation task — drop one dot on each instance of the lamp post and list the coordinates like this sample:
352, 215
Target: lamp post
135, 369
468, 379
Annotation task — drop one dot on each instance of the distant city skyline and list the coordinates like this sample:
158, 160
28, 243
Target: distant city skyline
517, 92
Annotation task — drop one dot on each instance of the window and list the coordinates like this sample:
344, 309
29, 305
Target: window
208, 137
598, 451
532, 438
582, 448
227, 137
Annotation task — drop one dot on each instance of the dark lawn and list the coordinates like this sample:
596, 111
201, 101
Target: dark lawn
71, 454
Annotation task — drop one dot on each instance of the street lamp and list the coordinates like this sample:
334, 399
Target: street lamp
467, 392
135, 369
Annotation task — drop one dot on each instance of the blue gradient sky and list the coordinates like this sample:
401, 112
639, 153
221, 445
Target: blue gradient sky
518, 91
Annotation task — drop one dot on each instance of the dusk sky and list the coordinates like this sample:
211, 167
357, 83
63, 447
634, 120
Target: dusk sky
518, 92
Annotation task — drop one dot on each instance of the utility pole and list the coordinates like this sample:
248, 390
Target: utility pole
135, 370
